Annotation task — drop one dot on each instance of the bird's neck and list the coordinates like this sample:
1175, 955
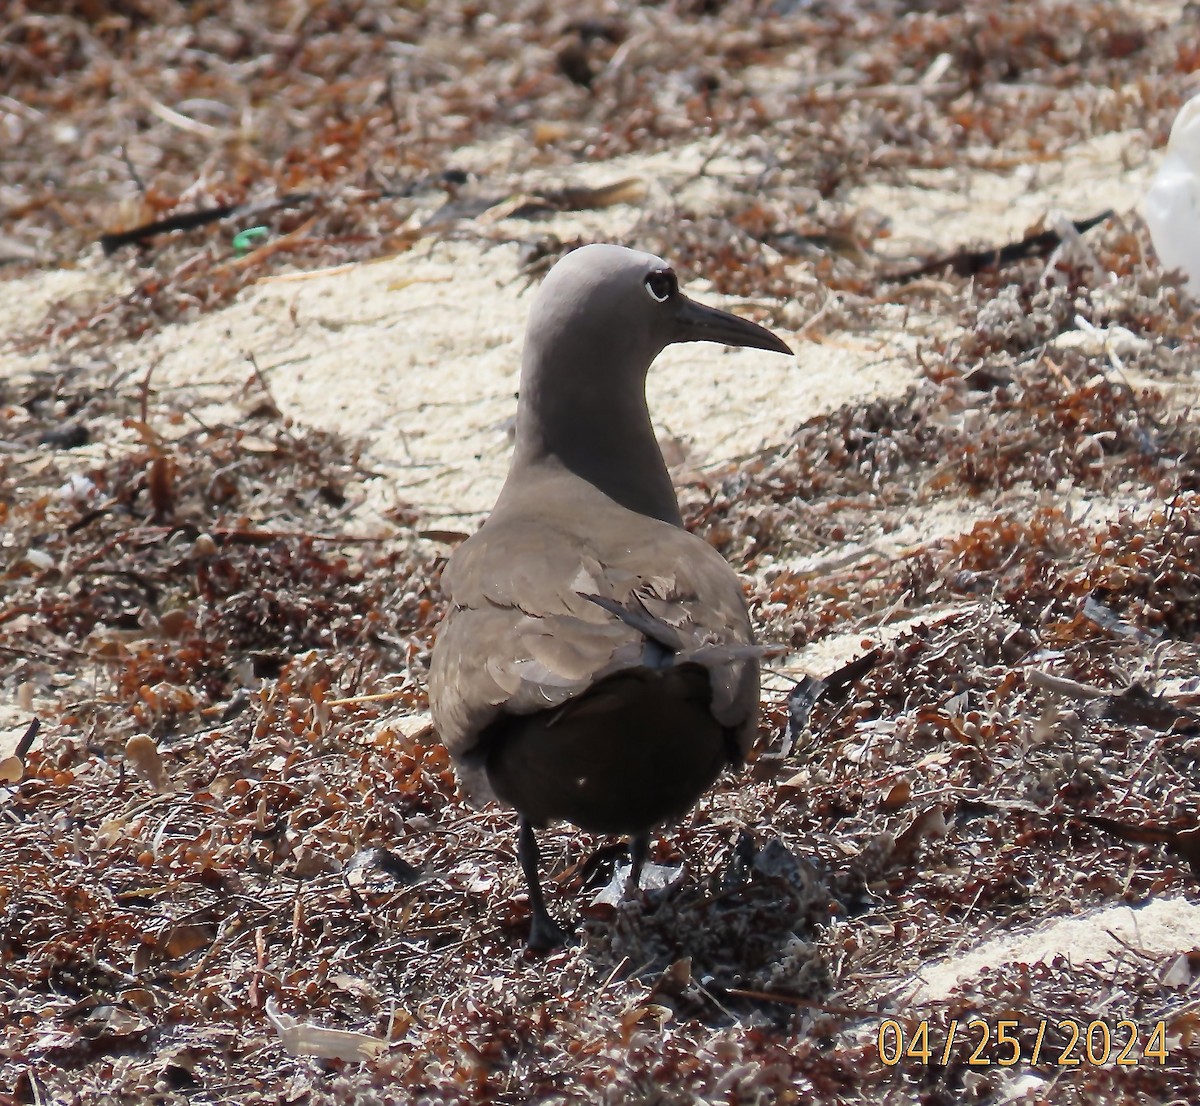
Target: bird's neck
599, 432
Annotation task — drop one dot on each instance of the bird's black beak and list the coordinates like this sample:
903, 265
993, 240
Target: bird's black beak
696, 323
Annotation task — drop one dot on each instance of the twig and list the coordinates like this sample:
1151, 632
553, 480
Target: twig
377, 697
26, 742
1060, 685
276, 411
144, 395
969, 262
187, 220
133, 173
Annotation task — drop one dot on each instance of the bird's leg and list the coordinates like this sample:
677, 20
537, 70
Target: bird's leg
544, 932
639, 846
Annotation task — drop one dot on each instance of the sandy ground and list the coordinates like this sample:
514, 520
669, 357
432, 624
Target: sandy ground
1100, 936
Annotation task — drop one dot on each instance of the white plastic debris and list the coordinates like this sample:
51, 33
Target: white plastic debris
39, 559
79, 490
1114, 342
308, 1039
1171, 206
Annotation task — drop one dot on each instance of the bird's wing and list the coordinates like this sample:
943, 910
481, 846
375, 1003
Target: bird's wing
536, 617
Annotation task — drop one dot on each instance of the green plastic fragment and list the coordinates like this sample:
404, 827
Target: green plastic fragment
245, 238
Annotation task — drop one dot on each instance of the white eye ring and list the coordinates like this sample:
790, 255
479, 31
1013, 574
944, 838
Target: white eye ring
662, 285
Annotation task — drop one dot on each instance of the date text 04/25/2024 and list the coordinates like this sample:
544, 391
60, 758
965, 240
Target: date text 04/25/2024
1008, 1042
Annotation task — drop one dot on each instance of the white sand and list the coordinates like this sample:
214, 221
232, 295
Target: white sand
1103, 936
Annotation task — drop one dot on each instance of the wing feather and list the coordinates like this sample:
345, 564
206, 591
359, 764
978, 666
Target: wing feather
522, 636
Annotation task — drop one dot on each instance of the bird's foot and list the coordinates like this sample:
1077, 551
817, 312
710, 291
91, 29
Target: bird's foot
639, 849
546, 934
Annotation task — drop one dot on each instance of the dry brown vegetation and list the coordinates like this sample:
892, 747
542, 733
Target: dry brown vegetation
206, 839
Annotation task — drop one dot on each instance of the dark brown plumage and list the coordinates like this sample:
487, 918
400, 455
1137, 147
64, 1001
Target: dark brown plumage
597, 663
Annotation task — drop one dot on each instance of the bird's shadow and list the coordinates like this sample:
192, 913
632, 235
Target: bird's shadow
721, 948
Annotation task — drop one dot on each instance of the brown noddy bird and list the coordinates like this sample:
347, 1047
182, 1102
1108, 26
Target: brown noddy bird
596, 663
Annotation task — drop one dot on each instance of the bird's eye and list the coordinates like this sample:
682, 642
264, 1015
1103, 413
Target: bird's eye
662, 285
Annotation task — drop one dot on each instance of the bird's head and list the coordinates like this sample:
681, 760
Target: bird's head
605, 310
